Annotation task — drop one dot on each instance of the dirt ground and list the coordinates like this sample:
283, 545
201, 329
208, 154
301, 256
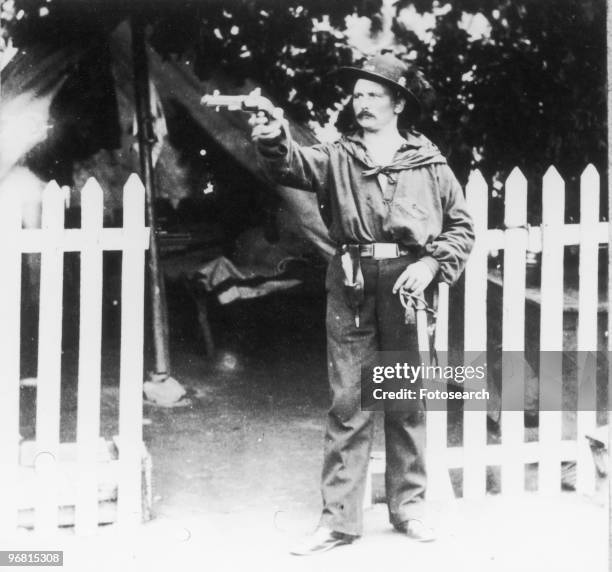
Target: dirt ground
253, 438
235, 475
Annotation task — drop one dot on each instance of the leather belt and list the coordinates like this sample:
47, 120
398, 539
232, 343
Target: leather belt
382, 250
350, 258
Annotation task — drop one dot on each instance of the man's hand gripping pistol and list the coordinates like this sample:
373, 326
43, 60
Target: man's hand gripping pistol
266, 120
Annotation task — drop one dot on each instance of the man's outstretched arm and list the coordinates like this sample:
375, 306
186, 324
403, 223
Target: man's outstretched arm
282, 159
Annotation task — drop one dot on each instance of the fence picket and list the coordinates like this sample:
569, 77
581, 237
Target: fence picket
475, 336
49, 359
551, 331
441, 337
90, 348
513, 333
587, 326
439, 486
10, 303
131, 365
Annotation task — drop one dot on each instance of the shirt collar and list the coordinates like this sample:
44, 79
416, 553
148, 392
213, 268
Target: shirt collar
412, 140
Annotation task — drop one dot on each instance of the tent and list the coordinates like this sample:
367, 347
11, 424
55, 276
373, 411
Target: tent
175, 80
35, 75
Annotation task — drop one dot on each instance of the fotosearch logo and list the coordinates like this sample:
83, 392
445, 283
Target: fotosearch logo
503, 380
402, 381
424, 393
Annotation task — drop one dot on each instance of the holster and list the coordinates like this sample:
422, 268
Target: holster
353, 276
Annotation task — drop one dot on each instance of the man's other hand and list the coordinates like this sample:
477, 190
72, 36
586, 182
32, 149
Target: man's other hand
415, 278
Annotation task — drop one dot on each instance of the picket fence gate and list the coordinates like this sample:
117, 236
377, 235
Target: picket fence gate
513, 453
52, 240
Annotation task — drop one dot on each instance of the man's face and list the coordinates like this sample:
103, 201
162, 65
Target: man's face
374, 105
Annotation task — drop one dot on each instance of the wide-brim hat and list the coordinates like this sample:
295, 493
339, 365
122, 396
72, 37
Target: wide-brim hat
385, 69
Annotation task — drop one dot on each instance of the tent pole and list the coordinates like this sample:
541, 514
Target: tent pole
146, 139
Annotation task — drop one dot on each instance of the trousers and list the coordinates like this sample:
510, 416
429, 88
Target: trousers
350, 430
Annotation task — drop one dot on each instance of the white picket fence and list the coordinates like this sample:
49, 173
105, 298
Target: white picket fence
550, 238
92, 239
513, 453
52, 241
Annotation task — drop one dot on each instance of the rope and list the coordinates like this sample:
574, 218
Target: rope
408, 300
411, 301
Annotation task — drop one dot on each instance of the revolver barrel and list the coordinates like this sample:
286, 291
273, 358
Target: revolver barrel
231, 102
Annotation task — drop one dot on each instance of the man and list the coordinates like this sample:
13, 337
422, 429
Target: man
398, 217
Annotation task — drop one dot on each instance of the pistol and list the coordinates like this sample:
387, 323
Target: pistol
252, 103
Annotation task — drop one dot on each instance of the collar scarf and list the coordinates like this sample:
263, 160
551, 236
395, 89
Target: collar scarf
418, 151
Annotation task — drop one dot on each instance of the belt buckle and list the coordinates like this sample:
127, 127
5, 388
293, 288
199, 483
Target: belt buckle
385, 250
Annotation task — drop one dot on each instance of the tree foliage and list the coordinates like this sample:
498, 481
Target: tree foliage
291, 47
530, 93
